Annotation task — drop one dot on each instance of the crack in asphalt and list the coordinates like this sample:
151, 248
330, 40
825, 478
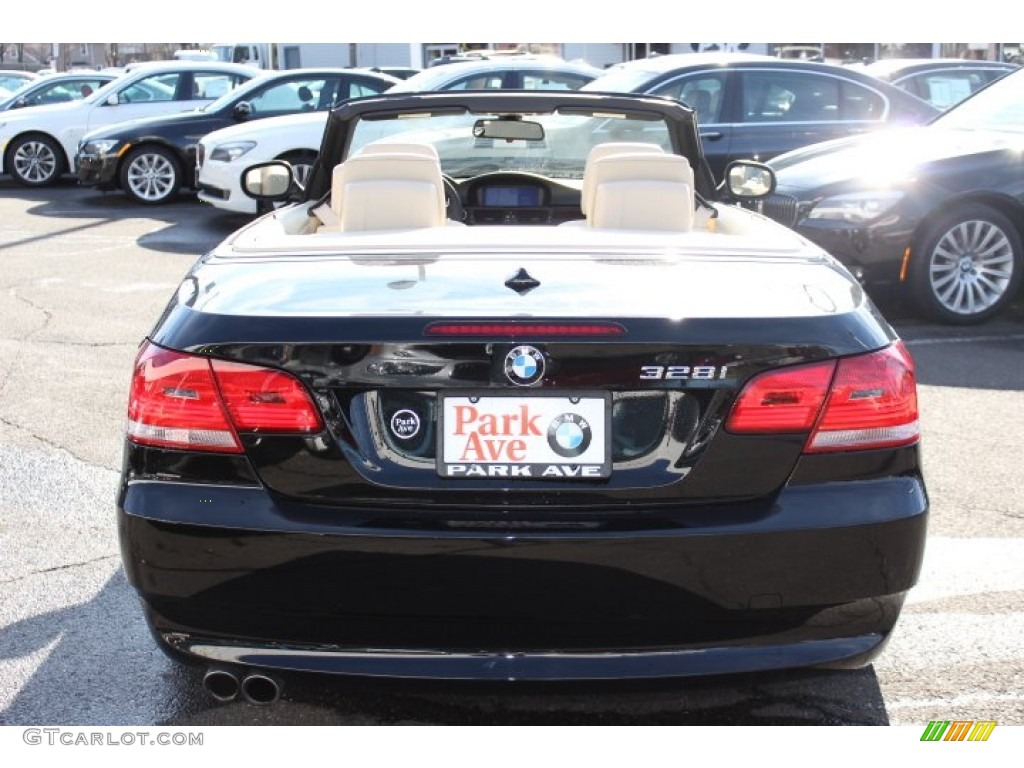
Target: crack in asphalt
56, 446
48, 315
59, 568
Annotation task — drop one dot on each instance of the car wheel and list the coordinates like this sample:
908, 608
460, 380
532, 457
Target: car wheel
151, 175
35, 161
968, 265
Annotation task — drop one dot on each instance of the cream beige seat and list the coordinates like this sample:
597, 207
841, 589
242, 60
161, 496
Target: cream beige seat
601, 151
642, 190
386, 190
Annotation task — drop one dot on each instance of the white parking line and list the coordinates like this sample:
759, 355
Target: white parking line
965, 339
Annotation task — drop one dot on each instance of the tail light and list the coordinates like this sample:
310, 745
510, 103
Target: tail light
186, 401
857, 403
873, 404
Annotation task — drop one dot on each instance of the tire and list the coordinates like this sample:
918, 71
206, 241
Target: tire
968, 265
35, 161
151, 175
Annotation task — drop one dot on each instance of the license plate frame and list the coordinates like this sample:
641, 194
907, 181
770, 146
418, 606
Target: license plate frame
522, 436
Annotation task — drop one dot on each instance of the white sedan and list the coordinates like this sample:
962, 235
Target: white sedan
224, 154
38, 144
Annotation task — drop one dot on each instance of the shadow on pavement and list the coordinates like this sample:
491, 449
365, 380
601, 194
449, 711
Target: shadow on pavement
105, 669
184, 226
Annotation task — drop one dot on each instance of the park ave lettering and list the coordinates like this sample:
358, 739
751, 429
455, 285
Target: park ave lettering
495, 437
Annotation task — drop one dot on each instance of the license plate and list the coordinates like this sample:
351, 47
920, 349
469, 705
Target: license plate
549, 436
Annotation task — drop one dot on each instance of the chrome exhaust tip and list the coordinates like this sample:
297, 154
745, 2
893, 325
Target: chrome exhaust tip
222, 684
260, 688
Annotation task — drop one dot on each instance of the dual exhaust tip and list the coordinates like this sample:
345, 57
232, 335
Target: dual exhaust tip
255, 687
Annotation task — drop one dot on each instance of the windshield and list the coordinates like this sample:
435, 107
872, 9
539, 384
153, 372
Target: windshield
1000, 107
561, 153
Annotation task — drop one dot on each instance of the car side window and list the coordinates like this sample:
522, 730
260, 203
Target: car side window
779, 96
485, 82
551, 81
944, 89
357, 88
860, 103
213, 85
295, 96
62, 92
704, 93
162, 87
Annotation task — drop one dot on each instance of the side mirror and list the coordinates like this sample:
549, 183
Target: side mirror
113, 100
242, 110
268, 181
748, 180
19, 103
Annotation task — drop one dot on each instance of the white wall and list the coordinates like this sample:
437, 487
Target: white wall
597, 54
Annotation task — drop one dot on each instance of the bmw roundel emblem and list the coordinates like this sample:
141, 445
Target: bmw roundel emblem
569, 435
524, 366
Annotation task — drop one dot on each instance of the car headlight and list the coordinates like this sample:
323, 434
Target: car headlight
228, 152
857, 207
100, 146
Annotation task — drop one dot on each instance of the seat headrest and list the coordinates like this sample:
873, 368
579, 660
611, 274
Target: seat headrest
407, 147
651, 191
388, 190
601, 151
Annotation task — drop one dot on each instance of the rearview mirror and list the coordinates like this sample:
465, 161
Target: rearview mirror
749, 180
267, 181
523, 130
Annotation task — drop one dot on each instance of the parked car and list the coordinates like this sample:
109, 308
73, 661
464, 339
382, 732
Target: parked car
940, 82
13, 79
226, 153
152, 159
402, 73
935, 213
670, 438
753, 106
56, 89
540, 73
38, 144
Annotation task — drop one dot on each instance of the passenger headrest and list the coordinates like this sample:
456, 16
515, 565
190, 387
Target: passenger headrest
388, 190
604, 150
651, 191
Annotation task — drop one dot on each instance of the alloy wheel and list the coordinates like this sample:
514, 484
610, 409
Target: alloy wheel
151, 177
971, 267
35, 162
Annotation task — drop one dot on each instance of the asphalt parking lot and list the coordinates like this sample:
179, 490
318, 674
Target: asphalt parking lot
83, 278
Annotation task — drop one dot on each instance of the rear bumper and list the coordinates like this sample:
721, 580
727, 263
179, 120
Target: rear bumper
232, 574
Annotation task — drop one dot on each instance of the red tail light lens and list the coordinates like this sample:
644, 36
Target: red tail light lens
873, 404
182, 401
265, 400
782, 401
869, 402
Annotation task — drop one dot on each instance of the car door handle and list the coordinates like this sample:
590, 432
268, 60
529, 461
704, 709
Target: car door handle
712, 135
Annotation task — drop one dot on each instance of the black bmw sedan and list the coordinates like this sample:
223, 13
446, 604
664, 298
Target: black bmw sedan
936, 213
758, 106
151, 159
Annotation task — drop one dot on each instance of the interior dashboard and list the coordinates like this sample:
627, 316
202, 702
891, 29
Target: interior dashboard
518, 198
